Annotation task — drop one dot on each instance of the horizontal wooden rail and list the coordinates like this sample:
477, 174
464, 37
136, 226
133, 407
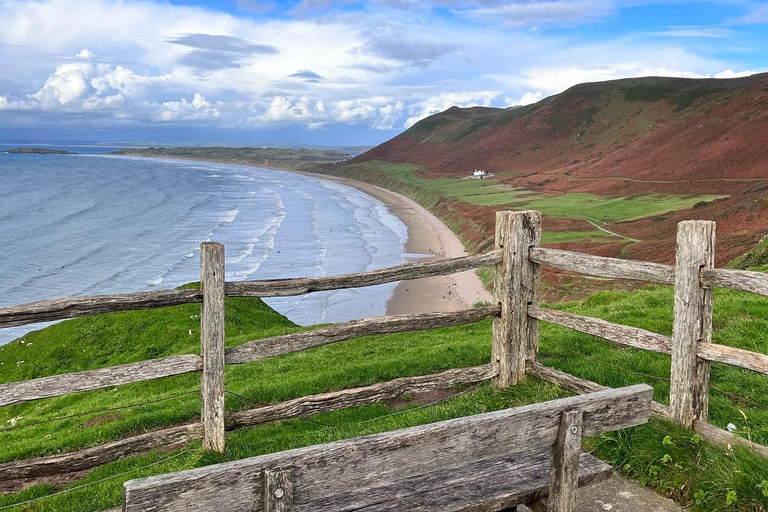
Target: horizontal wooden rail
733, 356
287, 343
57, 385
406, 271
72, 307
621, 334
581, 386
333, 401
604, 267
647, 340
744, 280
174, 436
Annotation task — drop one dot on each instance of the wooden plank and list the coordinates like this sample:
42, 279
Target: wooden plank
647, 340
689, 388
335, 400
57, 385
744, 280
287, 343
406, 271
347, 465
734, 356
305, 405
581, 386
600, 266
99, 455
564, 472
515, 335
490, 485
722, 437
212, 346
278, 490
71, 307
621, 334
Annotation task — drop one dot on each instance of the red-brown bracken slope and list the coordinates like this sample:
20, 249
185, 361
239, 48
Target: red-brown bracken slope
617, 138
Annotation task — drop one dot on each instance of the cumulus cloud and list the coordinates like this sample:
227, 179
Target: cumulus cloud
441, 102
3, 102
199, 109
526, 99
85, 53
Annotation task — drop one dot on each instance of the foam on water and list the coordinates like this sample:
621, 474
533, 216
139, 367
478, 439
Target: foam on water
144, 220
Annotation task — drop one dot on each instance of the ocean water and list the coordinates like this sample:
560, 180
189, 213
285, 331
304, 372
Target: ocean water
91, 224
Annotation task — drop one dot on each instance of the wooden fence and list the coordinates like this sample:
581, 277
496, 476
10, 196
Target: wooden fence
517, 259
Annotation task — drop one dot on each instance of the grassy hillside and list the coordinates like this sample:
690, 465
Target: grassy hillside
635, 156
660, 454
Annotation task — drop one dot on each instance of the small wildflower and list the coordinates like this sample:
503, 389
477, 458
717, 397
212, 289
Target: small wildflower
731, 427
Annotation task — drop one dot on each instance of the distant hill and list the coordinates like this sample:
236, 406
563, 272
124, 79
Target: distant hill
620, 138
36, 151
298, 159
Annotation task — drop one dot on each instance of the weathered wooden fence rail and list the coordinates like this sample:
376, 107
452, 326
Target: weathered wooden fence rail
517, 259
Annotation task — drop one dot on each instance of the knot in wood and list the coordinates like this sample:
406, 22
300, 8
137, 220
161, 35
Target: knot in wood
574, 429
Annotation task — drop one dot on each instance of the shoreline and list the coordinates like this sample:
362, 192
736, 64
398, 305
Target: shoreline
428, 239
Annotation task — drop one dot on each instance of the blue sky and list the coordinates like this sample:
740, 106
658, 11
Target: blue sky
330, 72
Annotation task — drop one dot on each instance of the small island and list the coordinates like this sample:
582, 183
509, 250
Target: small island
37, 151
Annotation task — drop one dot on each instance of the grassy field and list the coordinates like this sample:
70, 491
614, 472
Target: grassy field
405, 178
660, 454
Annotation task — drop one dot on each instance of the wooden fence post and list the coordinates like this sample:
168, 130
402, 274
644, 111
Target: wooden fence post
212, 345
515, 334
689, 389
278, 490
564, 472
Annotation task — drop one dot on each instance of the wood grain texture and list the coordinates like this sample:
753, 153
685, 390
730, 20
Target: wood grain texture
324, 402
515, 334
490, 485
734, 356
582, 386
406, 271
722, 437
604, 267
621, 334
57, 385
278, 490
744, 280
212, 346
353, 464
335, 400
564, 473
72, 307
689, 388
99, 455
270, 347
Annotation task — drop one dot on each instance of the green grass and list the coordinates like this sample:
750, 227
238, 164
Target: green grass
692, 465
491, 192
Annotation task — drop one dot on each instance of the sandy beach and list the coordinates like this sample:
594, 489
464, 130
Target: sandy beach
428, 239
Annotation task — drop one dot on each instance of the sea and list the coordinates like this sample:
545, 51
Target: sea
93, 223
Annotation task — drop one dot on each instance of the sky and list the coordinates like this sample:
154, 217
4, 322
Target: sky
336, 72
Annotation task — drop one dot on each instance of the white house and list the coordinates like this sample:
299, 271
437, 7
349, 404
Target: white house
480, 174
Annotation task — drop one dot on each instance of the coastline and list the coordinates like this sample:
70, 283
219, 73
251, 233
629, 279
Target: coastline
428, 239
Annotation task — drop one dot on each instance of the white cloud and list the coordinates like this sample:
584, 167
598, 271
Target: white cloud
729, 73
199, 109
526, 99
3, 102
441, 102
85, 53
526, 13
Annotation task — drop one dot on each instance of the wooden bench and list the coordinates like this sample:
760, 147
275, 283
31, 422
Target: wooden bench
487, 462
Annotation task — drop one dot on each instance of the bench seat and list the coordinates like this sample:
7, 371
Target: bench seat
485, 486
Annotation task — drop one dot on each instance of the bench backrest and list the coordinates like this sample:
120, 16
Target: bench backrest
307, 477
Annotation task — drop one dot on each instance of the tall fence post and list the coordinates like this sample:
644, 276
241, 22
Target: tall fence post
689, 390
516, 278
212, 345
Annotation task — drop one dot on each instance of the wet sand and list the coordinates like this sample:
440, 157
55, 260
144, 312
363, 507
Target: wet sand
428, 239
